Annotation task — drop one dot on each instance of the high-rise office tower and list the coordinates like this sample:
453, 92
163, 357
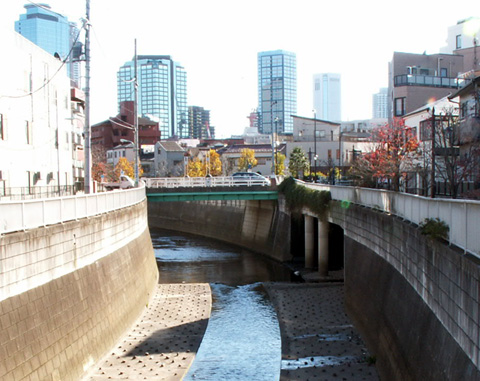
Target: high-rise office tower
199, 123
162, 92
277, 91
380, 104
327, 96
54, 33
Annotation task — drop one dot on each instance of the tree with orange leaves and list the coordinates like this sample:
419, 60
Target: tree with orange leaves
394, 150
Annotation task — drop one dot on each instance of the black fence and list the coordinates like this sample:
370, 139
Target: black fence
35, 192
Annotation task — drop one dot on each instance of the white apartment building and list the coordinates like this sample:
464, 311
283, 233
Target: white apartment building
38, 144
462, 35
363, 125
325, 144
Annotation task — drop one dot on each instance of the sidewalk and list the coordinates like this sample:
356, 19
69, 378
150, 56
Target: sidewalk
162, 344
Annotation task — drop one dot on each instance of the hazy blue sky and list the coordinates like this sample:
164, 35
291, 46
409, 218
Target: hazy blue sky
217, 42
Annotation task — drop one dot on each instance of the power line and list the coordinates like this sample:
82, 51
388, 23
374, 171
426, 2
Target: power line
126, 125
54, 75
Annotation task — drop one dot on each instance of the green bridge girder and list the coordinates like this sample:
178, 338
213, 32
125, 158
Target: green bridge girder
205, 196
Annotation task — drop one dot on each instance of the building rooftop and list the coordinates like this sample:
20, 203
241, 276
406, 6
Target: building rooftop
171, 146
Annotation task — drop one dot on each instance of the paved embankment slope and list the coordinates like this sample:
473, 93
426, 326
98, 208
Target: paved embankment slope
318, 339
163, 342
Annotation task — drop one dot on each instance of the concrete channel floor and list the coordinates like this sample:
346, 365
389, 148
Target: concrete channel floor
318, 340
163, 342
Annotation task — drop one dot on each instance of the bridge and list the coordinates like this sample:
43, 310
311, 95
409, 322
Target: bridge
78, 270
207, 189
461, 216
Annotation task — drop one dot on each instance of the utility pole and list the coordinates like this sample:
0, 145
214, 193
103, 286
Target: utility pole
315, 157
273, 136
88, 154
432, 190
135, 118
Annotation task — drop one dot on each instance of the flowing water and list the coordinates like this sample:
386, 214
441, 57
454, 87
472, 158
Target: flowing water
242, 341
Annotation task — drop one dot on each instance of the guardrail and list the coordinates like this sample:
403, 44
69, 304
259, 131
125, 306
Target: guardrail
462, 216
30, 214
179, 182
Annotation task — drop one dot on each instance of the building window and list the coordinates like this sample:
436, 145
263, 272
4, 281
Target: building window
399, 106
426, 130
463, 110
2, 185
443, 72
459, 41
2, 135
329, 153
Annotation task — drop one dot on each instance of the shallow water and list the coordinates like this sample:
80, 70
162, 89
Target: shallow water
242, 341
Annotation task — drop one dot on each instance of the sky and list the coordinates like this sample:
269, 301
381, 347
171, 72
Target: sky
217, 42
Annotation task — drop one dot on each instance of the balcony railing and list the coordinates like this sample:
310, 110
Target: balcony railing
429, 80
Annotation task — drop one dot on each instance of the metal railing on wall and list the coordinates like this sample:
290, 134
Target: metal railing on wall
30, 214
223, 181
35, 192
462, 216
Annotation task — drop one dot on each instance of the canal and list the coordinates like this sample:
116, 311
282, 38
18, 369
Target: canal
242, 341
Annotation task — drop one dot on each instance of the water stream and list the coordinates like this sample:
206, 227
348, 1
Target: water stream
242, 341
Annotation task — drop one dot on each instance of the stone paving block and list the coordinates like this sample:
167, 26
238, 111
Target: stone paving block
162, 344
318, 339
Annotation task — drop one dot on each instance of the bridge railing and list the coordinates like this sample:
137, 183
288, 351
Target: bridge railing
179, 182
462, 216
30, 214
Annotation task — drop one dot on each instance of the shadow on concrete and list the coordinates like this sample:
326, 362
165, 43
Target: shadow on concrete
182, 338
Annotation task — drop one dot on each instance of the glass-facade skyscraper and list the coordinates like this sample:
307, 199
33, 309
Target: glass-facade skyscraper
162, 92
327, 96
52, 32
380, 104
277, 91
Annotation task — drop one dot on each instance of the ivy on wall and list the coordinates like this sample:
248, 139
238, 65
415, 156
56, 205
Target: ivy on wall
298, 197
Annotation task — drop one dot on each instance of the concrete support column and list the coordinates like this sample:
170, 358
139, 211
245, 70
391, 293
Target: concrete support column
323, 247
309, 243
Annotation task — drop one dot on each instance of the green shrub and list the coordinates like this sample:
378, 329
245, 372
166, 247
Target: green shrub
434, 228
298, 197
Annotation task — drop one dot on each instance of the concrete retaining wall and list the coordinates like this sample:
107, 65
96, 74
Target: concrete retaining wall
256, 225
415, 300
57, 330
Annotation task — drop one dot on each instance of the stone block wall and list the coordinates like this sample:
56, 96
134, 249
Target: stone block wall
60, 328
415, 299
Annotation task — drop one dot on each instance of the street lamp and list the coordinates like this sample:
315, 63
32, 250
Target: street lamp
275, 147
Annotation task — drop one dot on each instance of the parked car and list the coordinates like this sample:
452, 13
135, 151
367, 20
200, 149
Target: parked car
124, 183
250, 178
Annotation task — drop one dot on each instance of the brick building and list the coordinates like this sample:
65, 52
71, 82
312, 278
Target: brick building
110, 132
